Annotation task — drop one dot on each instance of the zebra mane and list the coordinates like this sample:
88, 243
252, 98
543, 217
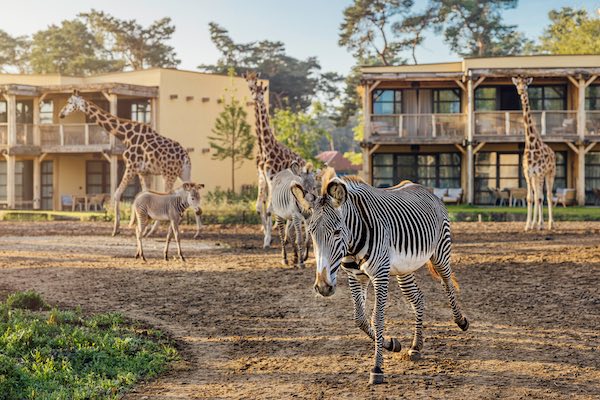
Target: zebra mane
326, 177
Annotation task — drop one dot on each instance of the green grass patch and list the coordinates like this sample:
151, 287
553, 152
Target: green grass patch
501, 214
65, 355
44, 215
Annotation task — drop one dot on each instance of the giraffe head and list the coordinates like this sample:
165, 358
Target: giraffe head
256, 88
75, 103
522, 84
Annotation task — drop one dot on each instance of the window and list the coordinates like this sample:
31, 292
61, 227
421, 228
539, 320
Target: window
388, 101
592, 175
25, 112
46, 112
141, 111
3, 112
446, 101
504, 170
547, 97
485, 99
98, 179
592, 98
433, 170
47, 185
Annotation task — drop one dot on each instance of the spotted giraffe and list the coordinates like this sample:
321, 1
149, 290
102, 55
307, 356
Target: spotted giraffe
539, 164
146, 151
273, 156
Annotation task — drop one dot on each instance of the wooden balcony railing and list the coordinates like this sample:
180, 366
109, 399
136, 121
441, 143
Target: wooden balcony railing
592, 123
510, 123
420, 125
73, 135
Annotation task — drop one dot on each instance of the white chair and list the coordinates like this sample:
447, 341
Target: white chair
454, 195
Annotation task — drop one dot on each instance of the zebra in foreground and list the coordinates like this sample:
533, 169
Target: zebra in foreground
164, 207
372, 234
282, 204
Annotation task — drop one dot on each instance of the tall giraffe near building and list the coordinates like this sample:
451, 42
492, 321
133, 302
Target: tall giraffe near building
146, 151
539, 164
272, 157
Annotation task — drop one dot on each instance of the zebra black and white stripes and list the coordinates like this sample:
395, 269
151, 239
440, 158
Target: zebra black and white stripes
373, 234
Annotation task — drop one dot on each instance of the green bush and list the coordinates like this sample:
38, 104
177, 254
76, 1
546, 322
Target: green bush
66, 355
28, 300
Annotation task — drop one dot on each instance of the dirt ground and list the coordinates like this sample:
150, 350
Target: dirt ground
247, 327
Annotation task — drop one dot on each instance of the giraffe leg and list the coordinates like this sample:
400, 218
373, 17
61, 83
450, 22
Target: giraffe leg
534, 201
127, 176
358, 287
540, 202
549, 187
414, 295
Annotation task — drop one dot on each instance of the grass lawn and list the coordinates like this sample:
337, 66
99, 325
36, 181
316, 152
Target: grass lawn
46, 215
470, 213
55, 354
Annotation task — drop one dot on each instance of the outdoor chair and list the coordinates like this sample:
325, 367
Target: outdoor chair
66, 200
565, 197
453, 195
440, 192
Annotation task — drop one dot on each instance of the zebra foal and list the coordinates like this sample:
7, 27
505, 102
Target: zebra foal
164, 207
373, 234
283, 205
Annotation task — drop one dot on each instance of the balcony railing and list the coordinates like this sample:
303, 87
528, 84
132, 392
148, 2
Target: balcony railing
73, 135
24, 134
420, 125
510, 123
592, 123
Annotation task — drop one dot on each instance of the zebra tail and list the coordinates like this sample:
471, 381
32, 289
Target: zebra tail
437, 276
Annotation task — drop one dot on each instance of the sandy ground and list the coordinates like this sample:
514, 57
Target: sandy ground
248, 327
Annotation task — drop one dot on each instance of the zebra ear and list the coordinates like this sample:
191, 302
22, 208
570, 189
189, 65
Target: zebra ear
300, 195
187, 186
338, 192
199, 185
295, 167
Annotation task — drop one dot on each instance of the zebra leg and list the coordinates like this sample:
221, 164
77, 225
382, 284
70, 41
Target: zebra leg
138, 235
166, 252
358, 287
299, 243
380, 284
414, 295
443, 268
280, 223
175, 229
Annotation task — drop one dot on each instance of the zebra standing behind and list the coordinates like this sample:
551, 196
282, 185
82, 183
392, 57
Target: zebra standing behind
284, 206
373, 234
164, 207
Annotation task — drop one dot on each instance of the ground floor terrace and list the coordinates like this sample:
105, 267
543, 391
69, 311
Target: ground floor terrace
496, 166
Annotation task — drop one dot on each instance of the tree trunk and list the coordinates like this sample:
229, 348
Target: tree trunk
233, 174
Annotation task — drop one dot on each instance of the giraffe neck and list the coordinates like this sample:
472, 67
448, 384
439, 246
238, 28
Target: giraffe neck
257, 121
266, 138
532, 137
122, 129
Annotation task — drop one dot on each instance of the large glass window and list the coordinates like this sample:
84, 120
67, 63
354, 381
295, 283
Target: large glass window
47, 112
433, 170
592, 176
47, 185
485, 99
25, 112
98, 179
141, 111
494, 170
446, 101
548, 97
592, 97
387, 101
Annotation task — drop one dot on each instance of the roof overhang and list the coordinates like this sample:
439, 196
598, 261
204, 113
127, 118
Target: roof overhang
123, 89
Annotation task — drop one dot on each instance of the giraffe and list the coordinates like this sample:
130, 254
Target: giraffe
539, 164
272, 156
146, 152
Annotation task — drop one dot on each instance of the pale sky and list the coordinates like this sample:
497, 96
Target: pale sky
307, 27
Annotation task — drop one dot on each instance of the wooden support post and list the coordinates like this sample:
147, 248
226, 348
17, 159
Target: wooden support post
154, 113
433, 128
543, 121
11, 119
507, 123
580, 188
470, 122
36, 124
10, 181
37, 182
366, 156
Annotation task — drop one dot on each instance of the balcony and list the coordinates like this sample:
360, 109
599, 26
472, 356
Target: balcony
508, 125
592, 123
407, 128
59, 138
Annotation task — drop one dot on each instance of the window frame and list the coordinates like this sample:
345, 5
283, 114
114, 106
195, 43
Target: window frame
436, 102
396, 104
414, 161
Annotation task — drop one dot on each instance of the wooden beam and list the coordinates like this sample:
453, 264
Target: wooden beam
591, 80
478, 147
478, 82
589, 147
535, 72
573, 147
573, 81
460, 148
460, 85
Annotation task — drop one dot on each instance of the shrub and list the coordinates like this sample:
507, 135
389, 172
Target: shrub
28, 300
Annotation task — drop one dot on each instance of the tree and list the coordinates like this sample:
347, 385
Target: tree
233, 138
68, 49
571, 32
293, 83
13, 52
133, 45
300, 131
475, 27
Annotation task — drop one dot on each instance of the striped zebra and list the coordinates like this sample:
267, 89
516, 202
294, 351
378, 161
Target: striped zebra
283, 205
374, 234
164, 207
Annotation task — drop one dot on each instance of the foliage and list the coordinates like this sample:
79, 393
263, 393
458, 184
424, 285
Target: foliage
68, 49
135, 47
227, 207
475, 27
355, 157
293, 83
571, 31
489, 213
65, 355
28, 300
233, 138
300, 131
13, 52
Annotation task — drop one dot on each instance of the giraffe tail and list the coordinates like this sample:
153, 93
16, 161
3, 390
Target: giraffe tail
437, 276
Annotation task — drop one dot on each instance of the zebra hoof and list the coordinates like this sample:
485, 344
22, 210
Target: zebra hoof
464, 324
376, 376
414, 355
394, 345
